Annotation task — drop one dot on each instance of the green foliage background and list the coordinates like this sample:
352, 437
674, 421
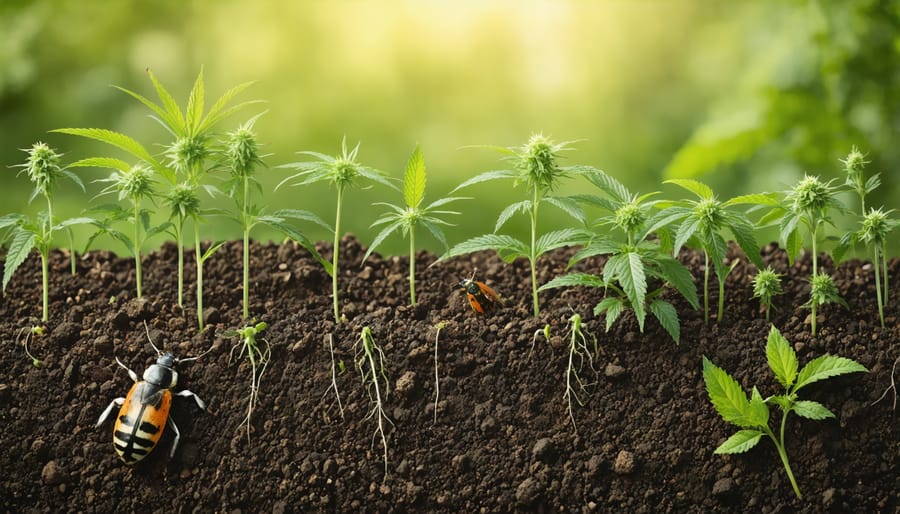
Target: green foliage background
746, 96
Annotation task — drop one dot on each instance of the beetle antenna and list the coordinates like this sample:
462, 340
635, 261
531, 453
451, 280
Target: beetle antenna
147, 330
189, 359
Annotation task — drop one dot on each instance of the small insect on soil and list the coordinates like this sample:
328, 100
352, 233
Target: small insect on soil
481, 297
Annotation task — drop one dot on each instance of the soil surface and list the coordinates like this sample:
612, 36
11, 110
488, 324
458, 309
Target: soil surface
501, 439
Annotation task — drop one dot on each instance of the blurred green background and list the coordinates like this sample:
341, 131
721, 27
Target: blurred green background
746, 96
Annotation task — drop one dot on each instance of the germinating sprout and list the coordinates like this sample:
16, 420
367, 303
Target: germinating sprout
437, 386
259, 360
30, 334
336, 369
767, 285
370, 363
892, 387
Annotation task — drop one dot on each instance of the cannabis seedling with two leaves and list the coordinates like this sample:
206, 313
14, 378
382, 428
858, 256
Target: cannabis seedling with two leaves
341, 171
258, 355
632, 264
703, 221
44, 168
536, 166
370, 363
407, 217
752, 415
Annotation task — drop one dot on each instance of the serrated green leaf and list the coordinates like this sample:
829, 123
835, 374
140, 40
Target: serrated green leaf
726, 395
740, 442
768, 199
826, 366
194, 111
484, 177
218, 111
414, 179
745, 236
302, 215
601, 246
382, 235
568, 206
557, 239
685, 231
675, 273
668, 318
793, 245
609, 185
663, 219
19, 248
504, 245
510, 211
782, 358
812, 410
633, 280
173, 116
102, 162
698, 188
613, 307
759, 411
301, 239
574, 280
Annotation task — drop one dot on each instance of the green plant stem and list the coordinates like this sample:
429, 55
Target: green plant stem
878, 296
721, 300
137, 246
44, 282
768, 304
779, 445
533, 256
179, 241
245, 220
884, 267
412, 266
71, 250
199, 259
815, 270
706, 288
334, 258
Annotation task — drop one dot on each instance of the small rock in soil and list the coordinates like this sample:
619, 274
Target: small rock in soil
52, 474
544, 450
528, 492
723, 488
5, 393
828, 497
120, 320
489, 425
211, 316
66, 333
405, 384
138, 309
594, 464
624, 463
614, 370
462, 462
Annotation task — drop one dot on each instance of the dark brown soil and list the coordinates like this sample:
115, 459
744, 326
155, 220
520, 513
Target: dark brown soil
503, 440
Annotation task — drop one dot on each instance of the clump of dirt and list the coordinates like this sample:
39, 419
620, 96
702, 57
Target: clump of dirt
502, 439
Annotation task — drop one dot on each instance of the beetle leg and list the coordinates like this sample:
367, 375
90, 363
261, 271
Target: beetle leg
115, 403
131, 374
200, 403
177, 436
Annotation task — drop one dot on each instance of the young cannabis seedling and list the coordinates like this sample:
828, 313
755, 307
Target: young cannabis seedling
579, 353
412, 214
806, 204
134, 184
341, 171
854, 166
259, 359
705, 220
752, 415
767, 285
875, 227
44, 168
534, 165
633, 264
370, 363
241, 157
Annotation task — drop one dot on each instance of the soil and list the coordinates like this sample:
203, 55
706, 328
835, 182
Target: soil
502, 440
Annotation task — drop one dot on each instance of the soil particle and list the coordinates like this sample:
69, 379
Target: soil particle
614, 371
624, 464
544, 450
53, 474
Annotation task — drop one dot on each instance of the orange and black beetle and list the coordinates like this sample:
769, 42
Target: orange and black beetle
144, 412
482, 298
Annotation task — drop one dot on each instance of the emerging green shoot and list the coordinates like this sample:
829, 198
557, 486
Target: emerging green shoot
579, 353
535, 165
766, 286
704, 221
822, 291
854, 167
30, 334
413, 213
875, 227
342, 172
370, 363
241, 157
638, 269
259, 359
44, 168
752, 415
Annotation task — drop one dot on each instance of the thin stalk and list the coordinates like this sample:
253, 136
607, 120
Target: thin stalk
779, 444
334, 376
44, 282
334, 258
379, 411
137, 246
179, 241
878, 287
706, 288
246, 222
71, 250
198, 257
721, 300
412, 265
885, 271
437, 384
815, 261
533, 256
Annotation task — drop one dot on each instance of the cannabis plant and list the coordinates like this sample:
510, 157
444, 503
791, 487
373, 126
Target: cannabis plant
704, 221
241, 157
413, 213
342, 172
635, 262
536, 166
44, 168
767, 285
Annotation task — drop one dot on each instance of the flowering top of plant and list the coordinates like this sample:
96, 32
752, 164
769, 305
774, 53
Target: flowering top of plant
44, 167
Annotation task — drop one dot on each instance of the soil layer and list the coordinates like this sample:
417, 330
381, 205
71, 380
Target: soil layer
501, 439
